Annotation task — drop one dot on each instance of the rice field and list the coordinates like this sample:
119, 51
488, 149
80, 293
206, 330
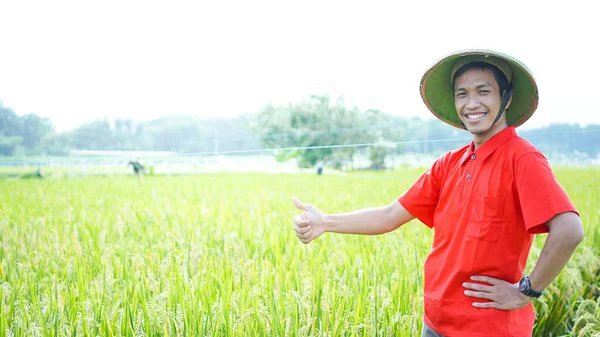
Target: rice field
216, 255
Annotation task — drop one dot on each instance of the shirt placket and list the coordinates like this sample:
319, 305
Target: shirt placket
469, 177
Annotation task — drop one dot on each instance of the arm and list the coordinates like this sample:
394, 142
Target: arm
566, 232
312, 223
369, 221
422, 199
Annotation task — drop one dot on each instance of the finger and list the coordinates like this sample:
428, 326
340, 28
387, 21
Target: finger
486, 305
303, 236
487, 279
300, 221
480, 287
299, 205
301, 230
478, 294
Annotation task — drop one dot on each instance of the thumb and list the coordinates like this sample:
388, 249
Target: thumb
299, 205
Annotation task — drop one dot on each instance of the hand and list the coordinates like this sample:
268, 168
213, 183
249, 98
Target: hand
310, 224
503, 295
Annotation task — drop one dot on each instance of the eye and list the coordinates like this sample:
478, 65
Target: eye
461, 94
484, 92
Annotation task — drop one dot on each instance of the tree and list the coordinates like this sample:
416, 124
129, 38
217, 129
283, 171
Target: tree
10, 144
34, 129
23, 134
97, 135
316, 121
313, 122
9, 138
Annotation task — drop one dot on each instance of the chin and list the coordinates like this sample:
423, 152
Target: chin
476, 130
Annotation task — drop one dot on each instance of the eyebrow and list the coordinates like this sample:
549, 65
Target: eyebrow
485, 84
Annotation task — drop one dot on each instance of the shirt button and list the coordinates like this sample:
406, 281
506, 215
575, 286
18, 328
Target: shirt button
473, 156
468, 176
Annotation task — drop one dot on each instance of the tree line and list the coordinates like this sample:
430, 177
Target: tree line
316, 121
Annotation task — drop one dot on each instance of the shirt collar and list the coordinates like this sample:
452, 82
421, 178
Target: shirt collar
490, 146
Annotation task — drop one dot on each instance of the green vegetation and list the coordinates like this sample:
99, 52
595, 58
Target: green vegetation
215, 255
314, 121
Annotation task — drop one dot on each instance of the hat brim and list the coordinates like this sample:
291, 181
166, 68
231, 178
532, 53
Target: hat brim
437, 90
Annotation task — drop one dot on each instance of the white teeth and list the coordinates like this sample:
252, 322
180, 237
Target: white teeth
475, 116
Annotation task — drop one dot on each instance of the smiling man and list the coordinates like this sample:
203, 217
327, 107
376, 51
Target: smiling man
485, 201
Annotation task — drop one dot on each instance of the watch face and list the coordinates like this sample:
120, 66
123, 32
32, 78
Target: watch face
523, 286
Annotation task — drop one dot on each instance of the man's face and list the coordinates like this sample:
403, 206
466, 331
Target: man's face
477, 99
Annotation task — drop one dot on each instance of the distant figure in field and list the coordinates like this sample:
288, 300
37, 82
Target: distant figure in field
39, 174
138, 167
320, 168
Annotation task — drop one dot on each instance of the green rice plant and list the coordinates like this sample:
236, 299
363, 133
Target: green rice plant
215, 255
587, 323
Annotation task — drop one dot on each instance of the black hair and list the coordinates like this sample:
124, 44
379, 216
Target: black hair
501, 79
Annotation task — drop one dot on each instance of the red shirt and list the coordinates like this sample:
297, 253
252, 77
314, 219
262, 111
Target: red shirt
484, 206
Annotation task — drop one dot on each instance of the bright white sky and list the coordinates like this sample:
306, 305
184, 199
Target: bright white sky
75, 61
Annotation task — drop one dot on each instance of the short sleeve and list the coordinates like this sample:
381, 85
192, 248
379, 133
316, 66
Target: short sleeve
540, 195
422, 198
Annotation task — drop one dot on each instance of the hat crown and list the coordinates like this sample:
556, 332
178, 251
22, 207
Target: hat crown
437, 87
504, 67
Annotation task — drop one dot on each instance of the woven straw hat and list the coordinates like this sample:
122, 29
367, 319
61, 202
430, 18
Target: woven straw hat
437, 88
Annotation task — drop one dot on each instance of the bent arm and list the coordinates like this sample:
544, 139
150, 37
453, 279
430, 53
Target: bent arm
566, 232
369, 221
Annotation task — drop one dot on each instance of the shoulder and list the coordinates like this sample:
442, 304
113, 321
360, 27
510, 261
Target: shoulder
454, 156
518, 148
448, 161
526, 159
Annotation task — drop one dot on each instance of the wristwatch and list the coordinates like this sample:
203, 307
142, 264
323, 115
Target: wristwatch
525, 288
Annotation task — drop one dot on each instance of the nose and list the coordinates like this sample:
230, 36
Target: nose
472, 102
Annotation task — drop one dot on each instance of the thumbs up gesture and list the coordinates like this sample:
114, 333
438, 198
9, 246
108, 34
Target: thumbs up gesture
309, 224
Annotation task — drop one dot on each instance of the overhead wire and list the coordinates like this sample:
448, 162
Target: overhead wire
336, 146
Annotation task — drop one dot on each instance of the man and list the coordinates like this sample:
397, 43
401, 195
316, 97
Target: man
484, 201
320, 168
138, 167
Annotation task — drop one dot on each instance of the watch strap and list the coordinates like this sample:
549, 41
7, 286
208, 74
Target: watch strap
525, 288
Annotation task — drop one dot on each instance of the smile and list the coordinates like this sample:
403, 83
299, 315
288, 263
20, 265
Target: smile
474, 117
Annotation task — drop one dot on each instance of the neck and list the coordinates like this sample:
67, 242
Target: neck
480, 138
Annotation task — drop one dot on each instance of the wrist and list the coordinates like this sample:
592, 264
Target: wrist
328, 222
526, 288
535, 285
525, 298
